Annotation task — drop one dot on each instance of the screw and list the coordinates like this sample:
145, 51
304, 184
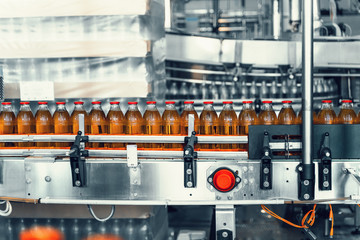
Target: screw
229, 198
266, 153
326, 184
237, 179
218, 198
28, 181
266, 170
189, 171
306, 196
245, 169
135, 182
189, 184
225, 234
210, 179
77, 183
327, 154
326, 171
306, 182
77, 171
245, 181
266, 184
135, 194
300, 169
187, 152
48, 179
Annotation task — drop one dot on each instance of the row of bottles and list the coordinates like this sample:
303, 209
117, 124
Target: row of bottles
75, 229
244, 90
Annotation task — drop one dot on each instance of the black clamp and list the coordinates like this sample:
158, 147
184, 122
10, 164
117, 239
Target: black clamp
325, 164
224, 235
266, 166
190, 161
77, 161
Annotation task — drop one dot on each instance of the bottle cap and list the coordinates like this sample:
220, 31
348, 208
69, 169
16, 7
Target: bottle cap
209, 102
247, 102
96, 102
23, 103
42, 103
114, 102
228, 102
170, 102
286, 101
60, 103
132, 103
266, 101
150, 102
188, 102
346, 101
326, 101
79, 102
6, 103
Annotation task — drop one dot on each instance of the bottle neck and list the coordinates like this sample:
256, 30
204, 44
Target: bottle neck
79, 107
228, 107
189, 107
326, 106
60, 108
346, 106
287, 105
209, 107
151, 107
170, 107
267, 107
247, 106
133, 107
115, 107
96, 107
25, 108
43, 107
7, 108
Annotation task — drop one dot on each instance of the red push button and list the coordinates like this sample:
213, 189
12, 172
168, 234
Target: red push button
224, 180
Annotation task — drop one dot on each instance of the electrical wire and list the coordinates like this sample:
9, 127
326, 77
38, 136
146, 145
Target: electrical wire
309, 217
102, 219
8, 209
331, 218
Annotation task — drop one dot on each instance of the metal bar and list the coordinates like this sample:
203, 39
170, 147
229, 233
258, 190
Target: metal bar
281, 145
122, 138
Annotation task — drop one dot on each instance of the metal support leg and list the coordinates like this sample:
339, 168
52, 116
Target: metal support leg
225, 222
357, 221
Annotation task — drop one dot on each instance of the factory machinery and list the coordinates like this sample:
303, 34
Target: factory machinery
294, 164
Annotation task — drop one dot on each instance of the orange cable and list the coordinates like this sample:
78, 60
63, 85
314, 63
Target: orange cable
331, 217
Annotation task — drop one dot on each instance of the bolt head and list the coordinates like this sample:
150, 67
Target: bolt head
225, 234
189, 171
218, 198
229, 197
210, 179
189, 184
266, 184
306, 196
77, 183
28, 181
48, 179
306, 182
326, 184
237, 179
266, 153
77, 171
266, 170
327, 154
325, 170
300, 169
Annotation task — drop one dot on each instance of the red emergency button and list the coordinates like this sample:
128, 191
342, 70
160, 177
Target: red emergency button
224, 180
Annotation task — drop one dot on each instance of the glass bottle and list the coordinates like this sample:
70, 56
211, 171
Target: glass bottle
98, 122
189, 109
327, 114
287, 115
171, 124
209, 123
347, 114
44, 123
79, 109
228, 122
153, 123
7, 122
62, 124
299, 117
25, 123
134, 122
247, 117
267, 115
116, 120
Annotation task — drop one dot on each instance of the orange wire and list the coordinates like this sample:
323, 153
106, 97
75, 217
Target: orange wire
331, 216
310, 221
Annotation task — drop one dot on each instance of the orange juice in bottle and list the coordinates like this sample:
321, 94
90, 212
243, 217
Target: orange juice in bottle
171, 124
327, 114
209, 124
153, 123
287, 115
25, 123
43, 123
267, 115
74, 119
247, 117
228, 123
134, 122
62, 124
116, 122
184, 117
347, 114
299, 117
7, 122
98, 122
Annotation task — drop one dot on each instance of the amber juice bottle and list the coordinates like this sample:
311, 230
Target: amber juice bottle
134, 122
153, 124
287, 115
74, 119
209, 124
299, 117
267, 115
347, 114
7, 122
171, 124
184, 118
116, 123
44, 123
62, 123
228, 124
98, 122
247, 117
327, 114
25, 123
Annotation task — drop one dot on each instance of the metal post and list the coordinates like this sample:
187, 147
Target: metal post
277, 19
306, 170
225, 222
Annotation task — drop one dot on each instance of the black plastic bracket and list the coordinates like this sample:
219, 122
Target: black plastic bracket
77, 161
325, 164
306, 181
266, 165
224, 235
190, 157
